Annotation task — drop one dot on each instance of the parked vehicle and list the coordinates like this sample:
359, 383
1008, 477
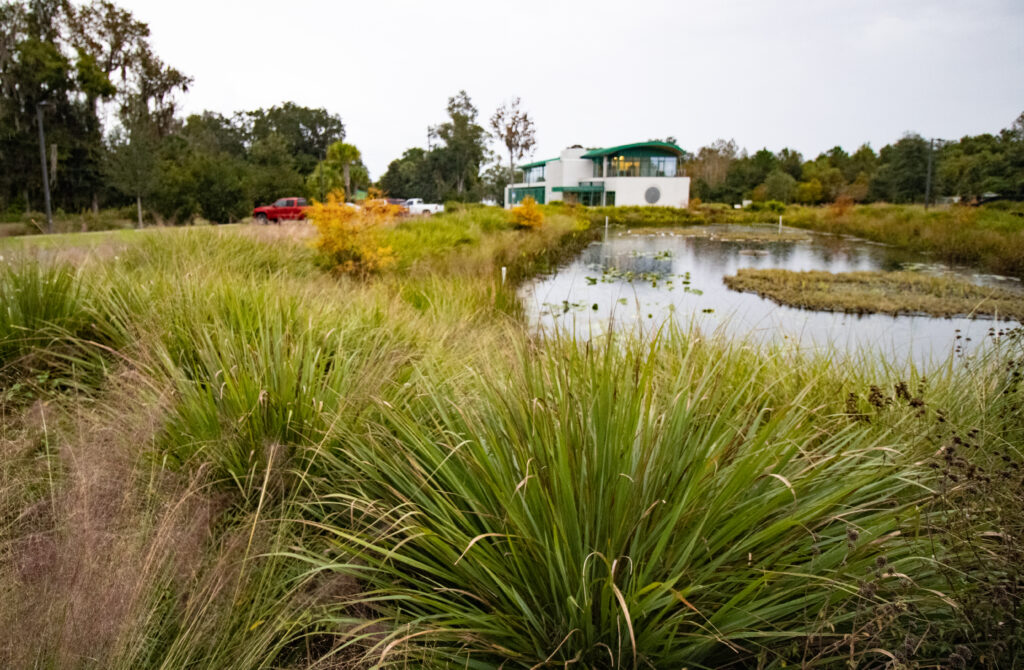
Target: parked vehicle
379, 202
283, 209
417, 206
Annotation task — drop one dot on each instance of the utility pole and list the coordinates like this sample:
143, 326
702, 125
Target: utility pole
928, 180
323, 165
46, 174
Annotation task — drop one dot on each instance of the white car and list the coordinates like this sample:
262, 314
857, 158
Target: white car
417, 206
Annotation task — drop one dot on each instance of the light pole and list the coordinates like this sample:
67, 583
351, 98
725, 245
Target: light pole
42, 159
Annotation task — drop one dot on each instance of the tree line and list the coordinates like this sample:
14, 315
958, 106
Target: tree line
968, 168
906, 171
461, 166
115, 137
76, 65
79, 65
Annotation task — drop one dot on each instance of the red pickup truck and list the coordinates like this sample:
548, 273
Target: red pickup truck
284, 209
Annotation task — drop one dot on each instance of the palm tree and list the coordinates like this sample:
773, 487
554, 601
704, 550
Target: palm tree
346, 156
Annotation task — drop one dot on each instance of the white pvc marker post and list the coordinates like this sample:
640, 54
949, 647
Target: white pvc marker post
504, 270
780, 224
606, 228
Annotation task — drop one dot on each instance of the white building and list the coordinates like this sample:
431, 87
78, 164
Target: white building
645, 173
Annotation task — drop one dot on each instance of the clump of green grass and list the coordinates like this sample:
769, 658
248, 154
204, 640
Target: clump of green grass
262, 371
630, 504
879, 292
37, 299
51, 328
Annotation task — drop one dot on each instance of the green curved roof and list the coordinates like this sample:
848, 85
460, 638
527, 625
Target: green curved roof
597, 153
536, 164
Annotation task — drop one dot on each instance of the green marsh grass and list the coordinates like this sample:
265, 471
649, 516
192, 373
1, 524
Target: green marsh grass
324, 472
989, 237
52, 329
740, 235
626, 504
880, 292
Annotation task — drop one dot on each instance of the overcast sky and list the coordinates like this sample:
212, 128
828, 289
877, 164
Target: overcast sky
807, 74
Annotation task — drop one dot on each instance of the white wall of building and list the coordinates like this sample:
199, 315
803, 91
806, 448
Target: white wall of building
672, 191
552, 178
574, 168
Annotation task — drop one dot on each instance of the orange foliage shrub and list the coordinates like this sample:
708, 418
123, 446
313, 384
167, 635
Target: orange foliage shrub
350, 237
528, 214
842, 205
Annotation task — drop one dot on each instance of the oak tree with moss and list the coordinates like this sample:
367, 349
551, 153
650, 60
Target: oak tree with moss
514, 128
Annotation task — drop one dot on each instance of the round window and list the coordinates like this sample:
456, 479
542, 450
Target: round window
652, 195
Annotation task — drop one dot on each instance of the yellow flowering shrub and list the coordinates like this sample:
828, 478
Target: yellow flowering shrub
350, 237
528, 214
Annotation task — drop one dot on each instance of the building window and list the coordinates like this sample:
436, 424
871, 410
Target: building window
609, 198
534, 175
621, 166
598, 167
517, 195
590, 198
642, 166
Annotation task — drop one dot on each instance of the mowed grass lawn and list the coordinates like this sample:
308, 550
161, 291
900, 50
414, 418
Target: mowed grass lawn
214, 452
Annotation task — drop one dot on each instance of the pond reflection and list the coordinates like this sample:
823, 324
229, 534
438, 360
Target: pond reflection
639, 279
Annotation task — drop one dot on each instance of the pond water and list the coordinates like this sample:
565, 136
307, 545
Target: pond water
641, 278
